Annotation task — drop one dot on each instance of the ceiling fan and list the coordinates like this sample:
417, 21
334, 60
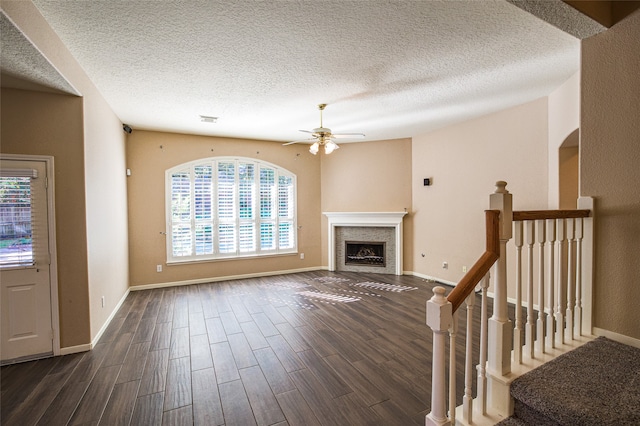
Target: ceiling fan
322, 136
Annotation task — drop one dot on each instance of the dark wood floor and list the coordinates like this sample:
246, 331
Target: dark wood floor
314, 348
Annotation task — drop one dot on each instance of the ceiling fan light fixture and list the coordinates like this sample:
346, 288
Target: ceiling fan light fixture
314, 148
330, 146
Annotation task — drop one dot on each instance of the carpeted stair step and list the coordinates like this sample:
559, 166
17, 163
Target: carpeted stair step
595, 384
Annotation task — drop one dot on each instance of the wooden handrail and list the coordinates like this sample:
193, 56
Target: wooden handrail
471, 279
550, 214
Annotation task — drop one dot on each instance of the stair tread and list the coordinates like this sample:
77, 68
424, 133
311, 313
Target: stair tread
597, 383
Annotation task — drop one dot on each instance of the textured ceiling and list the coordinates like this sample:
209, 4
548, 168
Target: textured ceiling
23, 66
389, 69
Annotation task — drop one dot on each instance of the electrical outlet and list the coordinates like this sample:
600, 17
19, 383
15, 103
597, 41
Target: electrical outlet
464, 269
445, 265
102, 301
301, 255
158, 268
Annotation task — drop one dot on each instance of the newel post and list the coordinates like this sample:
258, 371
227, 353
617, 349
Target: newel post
439, 319
500, 334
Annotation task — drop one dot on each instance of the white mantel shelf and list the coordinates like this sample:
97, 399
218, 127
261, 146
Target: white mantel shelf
380, 219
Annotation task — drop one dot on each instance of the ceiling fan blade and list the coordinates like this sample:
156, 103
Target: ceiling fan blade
301, 140
305, 131
347, 135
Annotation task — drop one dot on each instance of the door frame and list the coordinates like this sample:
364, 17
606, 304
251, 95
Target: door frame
53, 267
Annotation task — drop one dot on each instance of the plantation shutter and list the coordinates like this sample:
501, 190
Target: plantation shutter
226, 207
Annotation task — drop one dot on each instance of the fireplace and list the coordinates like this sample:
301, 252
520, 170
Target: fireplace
365, 227
364, 253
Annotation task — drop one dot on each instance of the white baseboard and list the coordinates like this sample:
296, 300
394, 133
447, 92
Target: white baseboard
108, 321
430, 278
75, 349
620, 338
216, 279
89, 346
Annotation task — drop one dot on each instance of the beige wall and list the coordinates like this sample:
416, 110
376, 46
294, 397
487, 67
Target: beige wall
464, 161
369, 177
610, 170
146, 185
569, 169
564, 119
36, 123
104, 168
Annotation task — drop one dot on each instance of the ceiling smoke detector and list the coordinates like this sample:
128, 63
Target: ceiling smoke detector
208, 119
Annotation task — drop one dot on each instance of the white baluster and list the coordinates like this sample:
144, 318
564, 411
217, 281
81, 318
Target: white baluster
530, 228
482, 363
439, 318
467, 399
561, 235
452, 368
551, 236
571, 275
541, 314
578, 312
517, 330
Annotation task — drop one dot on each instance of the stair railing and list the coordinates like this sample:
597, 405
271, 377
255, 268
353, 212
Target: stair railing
542, 328
440, 311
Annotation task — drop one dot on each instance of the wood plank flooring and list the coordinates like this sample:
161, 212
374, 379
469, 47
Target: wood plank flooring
315, 348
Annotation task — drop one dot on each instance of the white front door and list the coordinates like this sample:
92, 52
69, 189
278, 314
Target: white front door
25, 296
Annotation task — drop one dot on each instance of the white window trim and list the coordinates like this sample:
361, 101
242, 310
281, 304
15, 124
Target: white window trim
216, 256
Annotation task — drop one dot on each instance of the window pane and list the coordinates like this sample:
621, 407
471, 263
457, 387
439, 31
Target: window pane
285, 196
204, 239
226, 190
227, 238
181, 240
267, 188
285, 232
267, 236
181, 196
15, 221
203, 185
246, 176
247, 237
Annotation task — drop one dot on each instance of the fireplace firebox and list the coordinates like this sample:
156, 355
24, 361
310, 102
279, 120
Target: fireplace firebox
369, 253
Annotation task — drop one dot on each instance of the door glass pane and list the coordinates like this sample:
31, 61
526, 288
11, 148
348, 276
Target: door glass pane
16, 244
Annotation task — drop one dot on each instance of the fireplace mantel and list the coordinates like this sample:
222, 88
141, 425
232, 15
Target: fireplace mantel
355, 219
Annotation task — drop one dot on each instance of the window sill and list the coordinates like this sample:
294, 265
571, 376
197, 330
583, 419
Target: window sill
240, 257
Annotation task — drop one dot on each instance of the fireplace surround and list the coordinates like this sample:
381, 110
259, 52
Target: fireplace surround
365, 226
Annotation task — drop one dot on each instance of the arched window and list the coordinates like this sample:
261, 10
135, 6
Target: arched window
228, 207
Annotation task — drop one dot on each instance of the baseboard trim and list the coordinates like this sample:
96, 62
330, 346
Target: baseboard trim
217, 279
108, 321
430, 278
620, 338
76, 349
